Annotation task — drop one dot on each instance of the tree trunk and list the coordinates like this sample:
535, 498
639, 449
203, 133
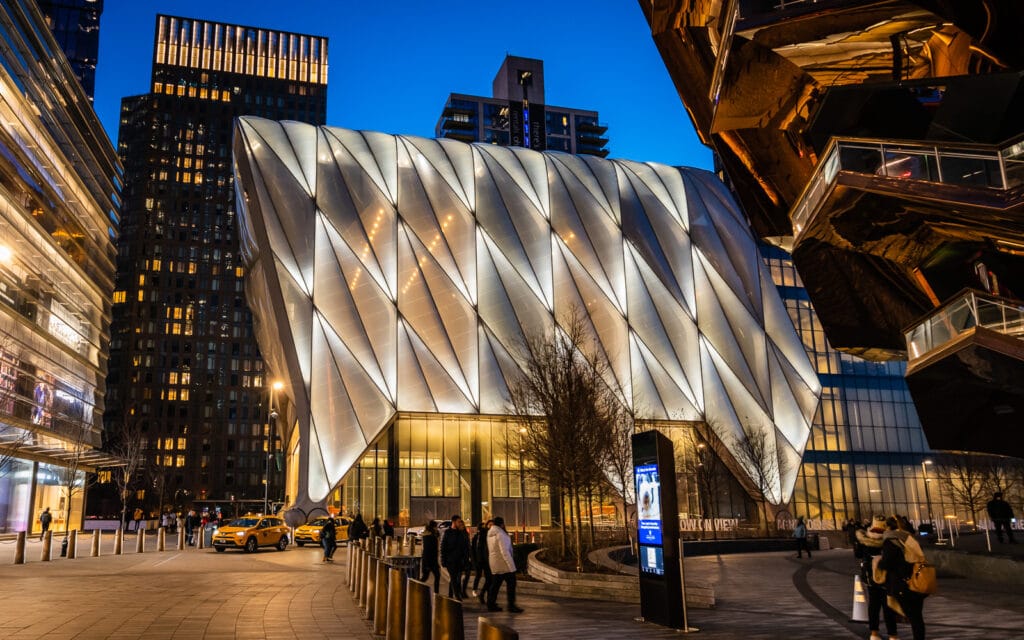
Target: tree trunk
578, 525
590, 509
561, 506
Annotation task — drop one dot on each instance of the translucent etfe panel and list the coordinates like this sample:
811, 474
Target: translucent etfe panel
494, 361
413, 392
372, 409
375, 153
517, 184
334, 299
578, 176
531, 225
461, 157
496, 223
447, 395
528, 309
275, 141
790, 420
304, 138
714, 325
638, 232
745, 405
431, 153
419, 307
646, 397
566, 223
672, 179
298, 309
718, 411
455, 223
778, 326
328, 397
675, 245
675, 402
494, 308
417, 213
749, 335
605, 235
607, 176
458, 319
317, 485
806, 397
789, 465
677, 353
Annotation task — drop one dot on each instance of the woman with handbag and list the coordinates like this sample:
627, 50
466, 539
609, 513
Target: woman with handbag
870, 547
900, 552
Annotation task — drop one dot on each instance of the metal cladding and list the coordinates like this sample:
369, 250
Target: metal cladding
400, 274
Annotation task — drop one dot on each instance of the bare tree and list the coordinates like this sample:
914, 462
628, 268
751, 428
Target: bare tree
964, 476
702, 461
72, 476
619, 463
128, 447
755, 453
565, 408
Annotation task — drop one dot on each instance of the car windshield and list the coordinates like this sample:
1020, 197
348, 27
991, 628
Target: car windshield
244, 522
319, 522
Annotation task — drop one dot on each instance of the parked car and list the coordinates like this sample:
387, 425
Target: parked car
251, 532
417, 532
310, 532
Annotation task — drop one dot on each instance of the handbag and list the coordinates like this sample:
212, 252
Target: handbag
877, 575
922, 579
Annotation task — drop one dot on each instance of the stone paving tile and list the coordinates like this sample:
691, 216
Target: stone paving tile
202, 594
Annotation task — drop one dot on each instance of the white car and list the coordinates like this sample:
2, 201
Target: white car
417, 532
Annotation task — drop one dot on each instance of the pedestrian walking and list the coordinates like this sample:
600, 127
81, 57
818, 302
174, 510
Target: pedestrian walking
137, 516
800, 535
328, 540
455, 556
45, 518
1001, 515
358, 529
429, 560
389, 529
503, 566
480, 561
899, 553
376, 529
191, 522
870, 547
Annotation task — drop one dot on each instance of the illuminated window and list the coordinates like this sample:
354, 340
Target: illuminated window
169, 461
239, 272
172, 377
119, 297
186, 377
179, 461
142, 279
142, 295
181, 444
183, 395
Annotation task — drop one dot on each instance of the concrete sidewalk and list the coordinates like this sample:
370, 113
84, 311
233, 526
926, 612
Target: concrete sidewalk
291, 594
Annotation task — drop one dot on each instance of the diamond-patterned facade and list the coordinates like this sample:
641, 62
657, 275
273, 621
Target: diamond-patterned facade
396, 273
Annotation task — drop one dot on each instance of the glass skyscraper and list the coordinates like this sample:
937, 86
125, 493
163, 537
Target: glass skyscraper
184, 362
76, 26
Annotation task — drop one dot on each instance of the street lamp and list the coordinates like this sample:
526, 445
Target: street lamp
271, 428
927, 494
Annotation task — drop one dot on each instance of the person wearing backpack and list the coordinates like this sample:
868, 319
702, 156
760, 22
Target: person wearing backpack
900, 552
869, 546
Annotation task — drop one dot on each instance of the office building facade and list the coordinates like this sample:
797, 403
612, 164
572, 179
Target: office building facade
76, 26
59, 184
516, 115
395, 280
184, 362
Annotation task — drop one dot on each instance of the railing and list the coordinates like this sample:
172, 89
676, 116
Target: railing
963, 313
999, 167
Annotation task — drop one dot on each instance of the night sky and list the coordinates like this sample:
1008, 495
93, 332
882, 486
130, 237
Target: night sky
392, 64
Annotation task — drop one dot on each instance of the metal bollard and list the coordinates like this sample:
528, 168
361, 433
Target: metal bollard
417, 611
181, 538
202, 537
396, 605
448, 619
161, 539
487, 630
47, 541
19, 548
380, 604
94, 552
357, 573
72, 544
140, 541
348, 566
371, 587
119, 542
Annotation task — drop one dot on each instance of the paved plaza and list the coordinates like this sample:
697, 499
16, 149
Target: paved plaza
290, 594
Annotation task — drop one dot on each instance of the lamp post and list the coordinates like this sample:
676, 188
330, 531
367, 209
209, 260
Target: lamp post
271, 427
927, 493
522, 482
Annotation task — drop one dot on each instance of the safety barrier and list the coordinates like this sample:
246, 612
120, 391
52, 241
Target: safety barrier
380, 601
397, 589
448, 619
417, 611
72, 550
487, 630
47, 542
94, 551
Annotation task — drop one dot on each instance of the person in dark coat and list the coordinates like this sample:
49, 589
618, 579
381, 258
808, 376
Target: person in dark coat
483, 566
389, 529
870, 546
429, 560
1001, 514
800, 535
191, 522
899, 553
455, 556
376, 529
328, 539
358, 529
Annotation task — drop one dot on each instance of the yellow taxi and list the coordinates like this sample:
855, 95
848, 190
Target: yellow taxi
310, 532
250, 532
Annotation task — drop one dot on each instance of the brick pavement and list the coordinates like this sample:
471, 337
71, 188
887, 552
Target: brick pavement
202, 594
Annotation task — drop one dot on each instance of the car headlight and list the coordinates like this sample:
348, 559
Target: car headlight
240, 534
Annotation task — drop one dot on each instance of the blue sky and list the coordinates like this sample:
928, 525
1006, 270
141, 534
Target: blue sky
393, 64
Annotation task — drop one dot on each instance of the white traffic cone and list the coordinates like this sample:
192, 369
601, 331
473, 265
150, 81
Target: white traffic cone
860, 602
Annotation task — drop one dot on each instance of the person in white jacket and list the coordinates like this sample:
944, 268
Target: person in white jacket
503, 566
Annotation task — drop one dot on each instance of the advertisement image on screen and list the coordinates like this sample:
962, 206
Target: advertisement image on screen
648, 504
652, 560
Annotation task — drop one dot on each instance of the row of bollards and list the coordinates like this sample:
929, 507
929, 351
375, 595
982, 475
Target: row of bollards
399, 606
70, 544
